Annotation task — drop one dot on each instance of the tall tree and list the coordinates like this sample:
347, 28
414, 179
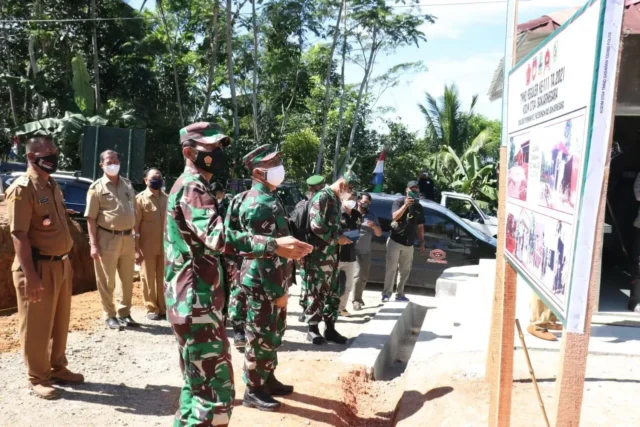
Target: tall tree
32, 55
232, 81
173, 61
327, 83
96, 61
213, 53
342, 95
254, 91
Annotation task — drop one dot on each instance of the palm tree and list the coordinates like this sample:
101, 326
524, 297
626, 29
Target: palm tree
447, 124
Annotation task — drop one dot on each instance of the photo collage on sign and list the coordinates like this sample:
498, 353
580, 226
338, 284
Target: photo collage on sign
542, 188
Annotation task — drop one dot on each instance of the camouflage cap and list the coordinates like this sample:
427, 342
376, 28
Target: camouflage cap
204, 133
264, 156
315, 180
350, 177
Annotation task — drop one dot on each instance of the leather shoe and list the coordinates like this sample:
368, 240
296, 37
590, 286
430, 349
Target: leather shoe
66, 376
276, 388
45, 390
155, 316
555, 327
314, 335
112, 323
128, 321
258, 398
330, 334
543, 334
239, 338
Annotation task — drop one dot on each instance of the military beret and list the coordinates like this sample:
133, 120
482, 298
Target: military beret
315, 180
350, 177
204, 133
261, 157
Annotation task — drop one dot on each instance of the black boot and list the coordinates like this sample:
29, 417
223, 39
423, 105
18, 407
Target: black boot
239, 339
314, 335
258, 398
301, 318
276, 388
330, 334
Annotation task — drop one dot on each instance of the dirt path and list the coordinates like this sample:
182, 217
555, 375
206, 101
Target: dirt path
133, 377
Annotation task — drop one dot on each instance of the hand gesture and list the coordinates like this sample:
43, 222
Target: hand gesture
139, 257
282, 301
343, 240
33, 289
291, 248
95, 252
408, 201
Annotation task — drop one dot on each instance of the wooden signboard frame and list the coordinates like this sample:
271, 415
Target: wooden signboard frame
574, 347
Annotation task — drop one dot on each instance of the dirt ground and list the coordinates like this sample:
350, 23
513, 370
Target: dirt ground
133, 377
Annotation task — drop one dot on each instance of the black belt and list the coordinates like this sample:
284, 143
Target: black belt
41, 257
116, 232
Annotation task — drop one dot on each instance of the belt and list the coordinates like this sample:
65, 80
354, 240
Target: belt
118, 233
40, 257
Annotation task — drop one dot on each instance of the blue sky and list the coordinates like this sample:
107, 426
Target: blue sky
463, 47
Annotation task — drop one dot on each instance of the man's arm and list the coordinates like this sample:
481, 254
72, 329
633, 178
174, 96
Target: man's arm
399, 209
136, 230
420, 229
91, 213
636, 187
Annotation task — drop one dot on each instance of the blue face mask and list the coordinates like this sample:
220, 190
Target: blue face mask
156, 184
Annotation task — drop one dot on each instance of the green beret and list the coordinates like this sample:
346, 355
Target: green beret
315, 180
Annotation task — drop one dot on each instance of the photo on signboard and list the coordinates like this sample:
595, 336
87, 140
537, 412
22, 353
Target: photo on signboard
518, 170
561, 157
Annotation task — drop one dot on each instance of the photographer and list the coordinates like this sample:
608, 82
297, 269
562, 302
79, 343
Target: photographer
407, 224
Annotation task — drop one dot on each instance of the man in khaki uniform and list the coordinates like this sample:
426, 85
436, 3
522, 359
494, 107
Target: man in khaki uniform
41, 270
151, 210
111, 218
542, 320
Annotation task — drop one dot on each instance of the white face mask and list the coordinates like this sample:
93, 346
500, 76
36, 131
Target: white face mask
275, 176
112, 170
349, 204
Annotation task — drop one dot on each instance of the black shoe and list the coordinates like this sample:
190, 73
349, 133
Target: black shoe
330, 334
239, 338
155, 316
302, 318
258, 398
112, 323
276, 388
314, 335
128, 321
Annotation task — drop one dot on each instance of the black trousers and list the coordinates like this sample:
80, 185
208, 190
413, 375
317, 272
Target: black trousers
635, 259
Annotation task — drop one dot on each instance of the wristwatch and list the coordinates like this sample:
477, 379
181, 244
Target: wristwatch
271, 247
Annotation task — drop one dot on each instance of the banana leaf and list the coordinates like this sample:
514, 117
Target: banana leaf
83, 94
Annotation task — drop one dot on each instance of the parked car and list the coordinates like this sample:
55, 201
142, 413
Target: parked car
288, 192
449, 242
74, 188
469, 211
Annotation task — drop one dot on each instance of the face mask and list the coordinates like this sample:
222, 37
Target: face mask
413, 194
155, 184
49, 163
349, 204
275, 176
112, 170
365, 206
210, 161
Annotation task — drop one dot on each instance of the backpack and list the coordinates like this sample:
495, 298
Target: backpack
299, 221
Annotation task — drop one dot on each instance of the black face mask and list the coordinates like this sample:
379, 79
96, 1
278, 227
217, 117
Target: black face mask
210, 161
364, 206
49, 163
155, 184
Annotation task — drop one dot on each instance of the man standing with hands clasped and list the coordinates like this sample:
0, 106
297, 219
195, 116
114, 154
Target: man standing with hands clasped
407, 224
41, 270
111, 218
195, 288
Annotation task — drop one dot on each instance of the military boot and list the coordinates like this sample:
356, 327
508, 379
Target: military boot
314, 335
276, 388
239, 338
330, 334
257, 397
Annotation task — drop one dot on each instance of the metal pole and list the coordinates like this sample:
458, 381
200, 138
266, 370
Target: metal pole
129, 154
95, 152
531, 373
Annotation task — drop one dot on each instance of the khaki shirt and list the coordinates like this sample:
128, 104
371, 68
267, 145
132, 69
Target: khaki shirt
151, 211
37, 207
112, 207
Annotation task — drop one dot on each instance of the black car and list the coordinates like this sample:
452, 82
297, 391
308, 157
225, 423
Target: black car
449, 242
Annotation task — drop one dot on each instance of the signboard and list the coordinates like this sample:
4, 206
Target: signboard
558, 125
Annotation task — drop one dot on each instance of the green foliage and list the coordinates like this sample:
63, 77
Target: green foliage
82, 91
299, 151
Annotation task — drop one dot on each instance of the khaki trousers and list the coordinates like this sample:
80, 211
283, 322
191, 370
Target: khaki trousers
152, 275
541, 316
44, 325
117, 254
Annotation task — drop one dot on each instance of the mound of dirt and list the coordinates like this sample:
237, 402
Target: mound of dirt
84, 279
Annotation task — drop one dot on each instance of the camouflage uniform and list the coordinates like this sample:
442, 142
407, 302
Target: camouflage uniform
195, 294
238, 300
263, 280
320, 267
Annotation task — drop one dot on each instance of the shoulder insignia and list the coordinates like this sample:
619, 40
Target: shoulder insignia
23, 181
94, 184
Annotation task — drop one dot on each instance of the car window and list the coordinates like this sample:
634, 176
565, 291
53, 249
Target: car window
381, 208
464, 209
439, 226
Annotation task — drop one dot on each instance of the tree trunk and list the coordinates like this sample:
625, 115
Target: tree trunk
13, 106
212, 59
96, 63
254, 96
367, 73
232, 83
173, 61
12, 102
32, 58
327, 90
341, 110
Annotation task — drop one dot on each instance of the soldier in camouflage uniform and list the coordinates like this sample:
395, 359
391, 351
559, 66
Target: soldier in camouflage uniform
264, 282
195, 288
320, 268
